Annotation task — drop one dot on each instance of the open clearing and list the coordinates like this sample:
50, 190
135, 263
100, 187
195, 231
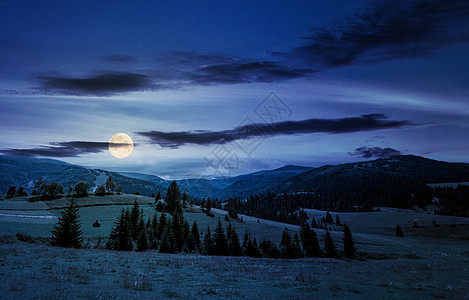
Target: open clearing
430, 262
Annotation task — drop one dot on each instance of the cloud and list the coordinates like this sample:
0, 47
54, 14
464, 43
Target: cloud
387, 30
246, 72
101, 84
378, 152
384, 30
63, 149
252, 130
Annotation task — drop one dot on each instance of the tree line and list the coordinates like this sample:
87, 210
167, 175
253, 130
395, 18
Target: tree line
169, 232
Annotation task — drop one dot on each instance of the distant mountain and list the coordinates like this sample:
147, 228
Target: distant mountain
402, 167
17, 170
259, 182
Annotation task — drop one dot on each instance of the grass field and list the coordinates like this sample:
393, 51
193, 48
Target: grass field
429, 262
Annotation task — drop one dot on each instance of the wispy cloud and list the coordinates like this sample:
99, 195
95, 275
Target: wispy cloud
63, 149
374, 152
333, 126
384, 30
387, 30
100, 84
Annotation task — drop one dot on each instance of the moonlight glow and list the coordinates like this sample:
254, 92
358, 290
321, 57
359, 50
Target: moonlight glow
121, 145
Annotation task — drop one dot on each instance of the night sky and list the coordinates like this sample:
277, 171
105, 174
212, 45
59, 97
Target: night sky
221, 88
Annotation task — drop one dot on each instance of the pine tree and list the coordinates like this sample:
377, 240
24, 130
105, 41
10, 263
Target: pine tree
246, 240
67, 231
158, 197
196, 236
161, 226
173, 198
11, 192
315, 248
286, 245
167, 244
235, 247
314, 224
189, 242
329, 247
329, 219
208, 243
120, 237
134, 219
110, 185
349, 245
220, 244
208, 205
399, 232
142, 242
297, 253
337, 220
176, 227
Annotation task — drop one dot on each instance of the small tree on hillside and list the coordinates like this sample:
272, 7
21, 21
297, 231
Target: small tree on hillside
220, 246
329, 219
399, 232
337, 220
329, 247
22, 191
208, 205
349, 244
110, 185
196, 235
81, 189
11, 192
173, 199
121, 236
134, 220
158, 197
100, 190
67, 231
119, 189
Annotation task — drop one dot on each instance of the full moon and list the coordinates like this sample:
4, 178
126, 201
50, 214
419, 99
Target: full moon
121, 145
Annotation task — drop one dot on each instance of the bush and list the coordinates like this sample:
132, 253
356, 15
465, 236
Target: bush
81, 189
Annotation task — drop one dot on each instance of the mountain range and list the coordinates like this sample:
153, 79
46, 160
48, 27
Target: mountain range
401, 169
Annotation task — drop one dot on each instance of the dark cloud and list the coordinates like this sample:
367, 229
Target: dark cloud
246, 72
375, 152
387, 30
100, 85
119, 58
344, 125
63, 149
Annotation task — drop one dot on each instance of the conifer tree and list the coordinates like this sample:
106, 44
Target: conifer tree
134, 220
314, 224
173, 198
120, 237
110, 185
196, 235
246, 239
208, 243
399, 232
315, 248
189, 242
286, 245
329, 247
161, 225
235, 247
167, 244
297, 253
220, 246
67, 231
337, 220
176, 227
158, 197
349, 245
329, 219
142, 242
208, 205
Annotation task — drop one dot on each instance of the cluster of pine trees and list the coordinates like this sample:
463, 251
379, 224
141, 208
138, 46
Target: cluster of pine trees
171, 233
453, 201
